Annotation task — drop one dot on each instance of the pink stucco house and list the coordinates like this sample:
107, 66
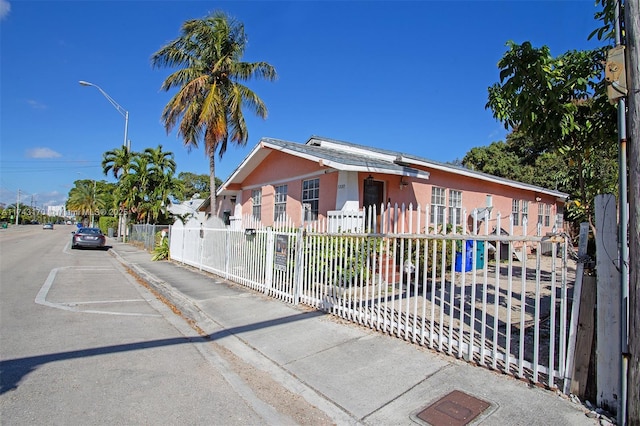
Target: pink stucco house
324, 177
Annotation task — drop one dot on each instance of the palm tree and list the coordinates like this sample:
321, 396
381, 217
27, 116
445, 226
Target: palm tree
162, 183
160, 162
85, 199
136, 185
165, 187
117, 161
210, 99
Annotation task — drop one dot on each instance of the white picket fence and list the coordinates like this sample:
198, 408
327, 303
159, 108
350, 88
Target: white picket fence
483, 296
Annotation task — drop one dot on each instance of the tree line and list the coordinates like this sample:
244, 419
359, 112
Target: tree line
146, 184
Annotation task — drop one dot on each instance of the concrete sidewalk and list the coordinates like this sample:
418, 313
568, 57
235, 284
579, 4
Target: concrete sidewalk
353, 374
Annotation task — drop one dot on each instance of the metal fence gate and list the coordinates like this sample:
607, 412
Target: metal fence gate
488, 296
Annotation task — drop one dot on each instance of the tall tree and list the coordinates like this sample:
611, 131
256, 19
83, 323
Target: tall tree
560, 103
196, 184
135, 186
162, 183
117, 161
210, 98
85, 199
160, 161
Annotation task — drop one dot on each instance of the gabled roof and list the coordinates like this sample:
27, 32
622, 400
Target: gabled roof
331, 158
346, 156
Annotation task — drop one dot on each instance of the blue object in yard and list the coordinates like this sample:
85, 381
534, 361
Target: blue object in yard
479, 254
468, 259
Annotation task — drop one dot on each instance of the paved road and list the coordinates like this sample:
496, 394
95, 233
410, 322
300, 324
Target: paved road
82, 343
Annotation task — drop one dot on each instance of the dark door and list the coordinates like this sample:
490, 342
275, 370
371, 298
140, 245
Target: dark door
372, 194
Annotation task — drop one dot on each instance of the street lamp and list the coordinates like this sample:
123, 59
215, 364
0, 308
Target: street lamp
127, 143
117, 106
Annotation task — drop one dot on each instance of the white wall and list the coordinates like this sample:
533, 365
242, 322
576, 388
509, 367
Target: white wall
347, 196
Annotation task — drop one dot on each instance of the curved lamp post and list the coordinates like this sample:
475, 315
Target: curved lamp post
127, 144
117, 106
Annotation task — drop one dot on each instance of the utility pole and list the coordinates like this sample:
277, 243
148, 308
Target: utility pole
632, 28
18, 208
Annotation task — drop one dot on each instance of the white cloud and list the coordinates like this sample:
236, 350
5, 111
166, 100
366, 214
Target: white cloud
53, 198
5, 8
42, 153
35, 104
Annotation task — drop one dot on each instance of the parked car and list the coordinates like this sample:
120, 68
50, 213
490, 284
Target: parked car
88, 237
48, 226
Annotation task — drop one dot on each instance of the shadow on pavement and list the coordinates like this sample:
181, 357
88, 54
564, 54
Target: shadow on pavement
14, 370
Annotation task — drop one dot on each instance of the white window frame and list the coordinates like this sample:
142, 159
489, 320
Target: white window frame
280, 202
547, 215
438, 206
256, 198
515, 211
311, 196
541, 213
455, 205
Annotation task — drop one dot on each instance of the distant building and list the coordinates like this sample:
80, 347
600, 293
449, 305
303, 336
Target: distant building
56, 211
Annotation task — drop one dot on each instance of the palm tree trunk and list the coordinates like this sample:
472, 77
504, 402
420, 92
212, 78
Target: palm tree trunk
212, 180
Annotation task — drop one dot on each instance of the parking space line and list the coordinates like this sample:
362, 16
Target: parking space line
41, 298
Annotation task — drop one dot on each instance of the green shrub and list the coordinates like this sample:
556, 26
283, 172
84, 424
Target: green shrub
161, 252
106, 222
344, 259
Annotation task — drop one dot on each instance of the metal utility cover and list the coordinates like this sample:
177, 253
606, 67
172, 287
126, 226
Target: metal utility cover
454, 409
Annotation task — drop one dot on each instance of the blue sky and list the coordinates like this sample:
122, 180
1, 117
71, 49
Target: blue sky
407, 76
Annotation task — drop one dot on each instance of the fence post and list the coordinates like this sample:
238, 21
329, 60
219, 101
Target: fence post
227, 252
201, 247
268, 272
571, 366
297, 271
607, 303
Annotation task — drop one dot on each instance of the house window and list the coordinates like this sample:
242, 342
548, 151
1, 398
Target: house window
559, 216
311, 197
455, 207
280, 203
256, 197
544, 214
437, 205
515, 212
525, 211
540, 213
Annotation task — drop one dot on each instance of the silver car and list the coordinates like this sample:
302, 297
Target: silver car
88, 237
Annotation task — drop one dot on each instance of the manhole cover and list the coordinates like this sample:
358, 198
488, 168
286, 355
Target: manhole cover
454, 409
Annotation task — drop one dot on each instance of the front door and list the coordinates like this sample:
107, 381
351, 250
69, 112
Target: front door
372, 194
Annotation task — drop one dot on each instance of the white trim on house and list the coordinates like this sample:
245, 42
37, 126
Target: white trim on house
292, 178
348, 157
349, 167
411, 160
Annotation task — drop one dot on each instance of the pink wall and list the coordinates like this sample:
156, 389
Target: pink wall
272, 172
279, 168
474, 195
